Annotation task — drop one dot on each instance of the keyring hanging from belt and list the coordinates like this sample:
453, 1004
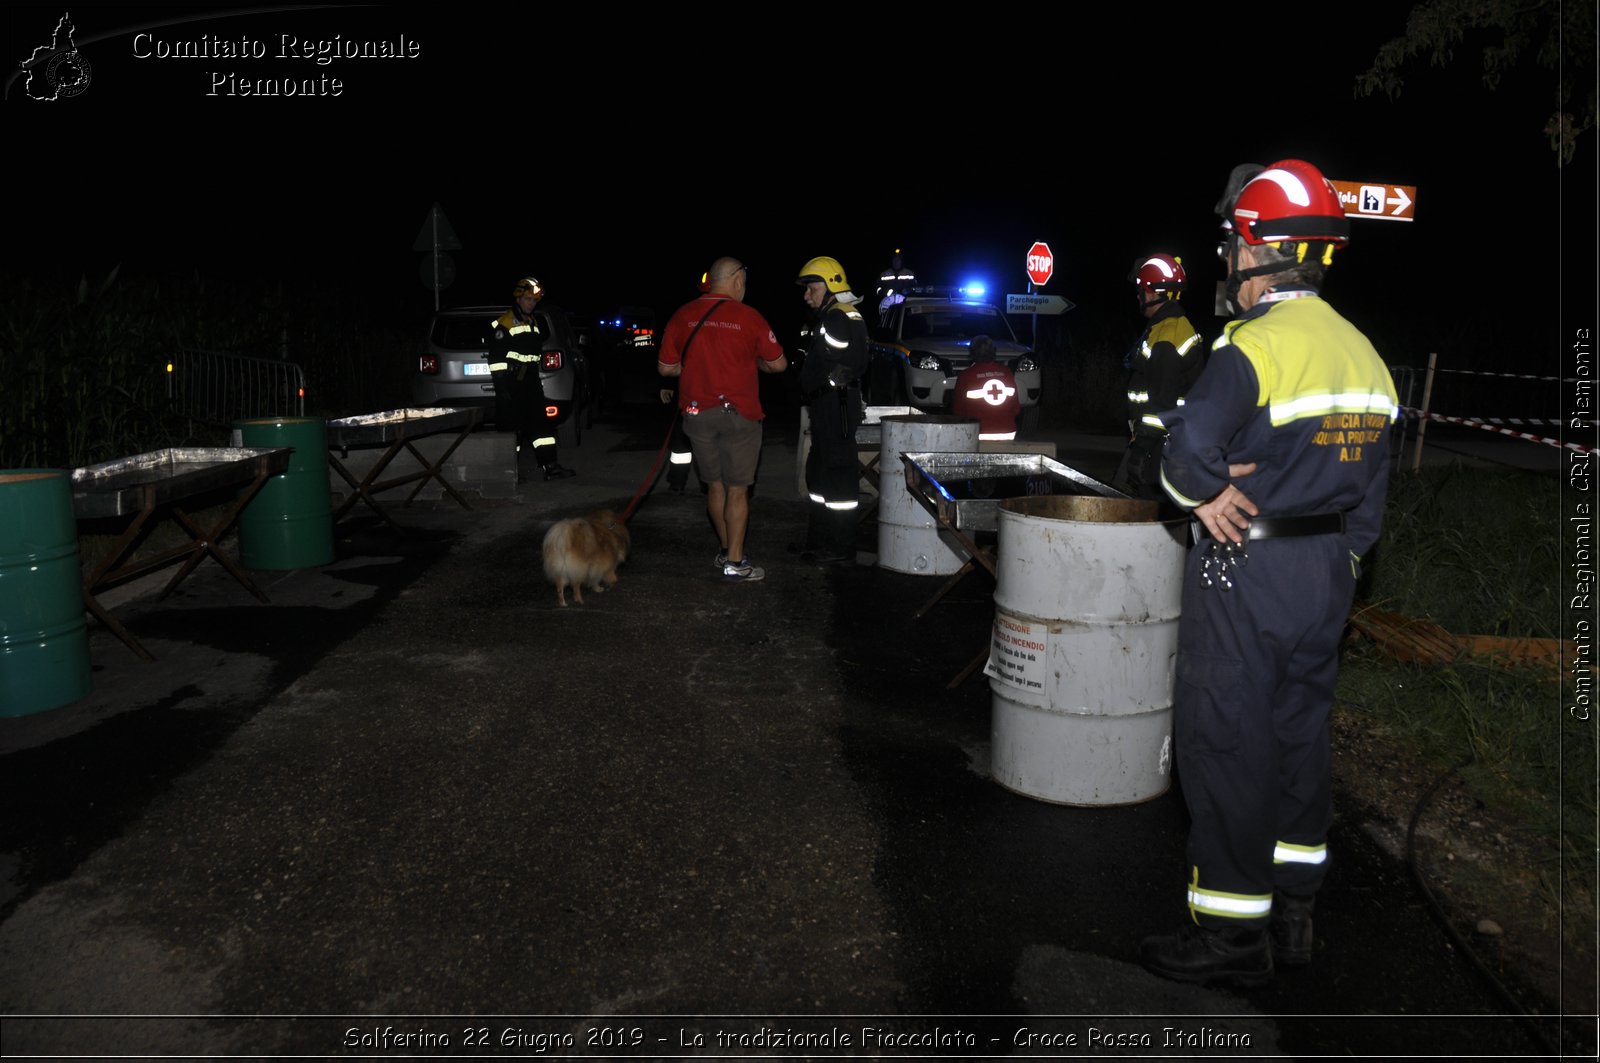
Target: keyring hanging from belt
1216, 567
1221, 558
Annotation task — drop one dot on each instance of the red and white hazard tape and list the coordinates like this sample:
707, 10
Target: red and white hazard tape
1556, 421
1507, 376
1488, 427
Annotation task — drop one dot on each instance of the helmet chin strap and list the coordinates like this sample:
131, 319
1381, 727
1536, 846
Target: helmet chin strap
1160, 298
1237, 276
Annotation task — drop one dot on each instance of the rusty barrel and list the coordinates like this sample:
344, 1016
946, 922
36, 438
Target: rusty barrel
909, 537
1085, 643
44, 639
289, 524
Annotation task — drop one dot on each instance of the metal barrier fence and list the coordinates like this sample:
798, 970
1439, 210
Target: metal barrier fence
218, 389
1517, 427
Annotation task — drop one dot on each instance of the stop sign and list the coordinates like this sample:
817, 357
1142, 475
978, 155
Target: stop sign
1041, 263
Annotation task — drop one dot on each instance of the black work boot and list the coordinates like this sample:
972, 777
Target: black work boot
1290, 929
524, 462
1240, 956
556, 471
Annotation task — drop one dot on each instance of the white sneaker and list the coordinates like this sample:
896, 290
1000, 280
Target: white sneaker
742, 572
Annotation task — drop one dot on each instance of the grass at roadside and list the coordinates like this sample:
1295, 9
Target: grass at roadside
1479, 552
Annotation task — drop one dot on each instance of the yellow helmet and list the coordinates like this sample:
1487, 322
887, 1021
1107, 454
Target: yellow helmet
527, 286
828, 271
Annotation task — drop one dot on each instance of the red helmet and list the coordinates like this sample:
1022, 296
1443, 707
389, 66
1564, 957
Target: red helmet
1160, 273
1290, 201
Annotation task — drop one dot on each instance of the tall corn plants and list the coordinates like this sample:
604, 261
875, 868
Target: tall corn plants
83, 367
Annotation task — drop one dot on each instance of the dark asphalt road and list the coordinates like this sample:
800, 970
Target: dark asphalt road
412, 793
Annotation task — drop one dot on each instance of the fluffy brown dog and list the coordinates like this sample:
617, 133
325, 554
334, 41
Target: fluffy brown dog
585, 551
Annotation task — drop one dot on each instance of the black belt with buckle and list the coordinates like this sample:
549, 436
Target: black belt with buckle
1285, 527
1291, 527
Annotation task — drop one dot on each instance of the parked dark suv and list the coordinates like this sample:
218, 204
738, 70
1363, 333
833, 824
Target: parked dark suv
453, 369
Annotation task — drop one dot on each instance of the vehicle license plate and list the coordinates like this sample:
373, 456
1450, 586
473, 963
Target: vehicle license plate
475, 369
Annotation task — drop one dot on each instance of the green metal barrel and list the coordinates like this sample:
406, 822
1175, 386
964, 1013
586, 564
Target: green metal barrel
290, 523
44, 640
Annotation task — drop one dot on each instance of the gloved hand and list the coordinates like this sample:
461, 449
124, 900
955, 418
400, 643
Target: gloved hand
839, 377
667, 395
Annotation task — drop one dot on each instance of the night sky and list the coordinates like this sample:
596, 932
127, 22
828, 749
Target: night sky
615, 155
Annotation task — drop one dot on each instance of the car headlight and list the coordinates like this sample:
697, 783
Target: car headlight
1026, 364
927, 361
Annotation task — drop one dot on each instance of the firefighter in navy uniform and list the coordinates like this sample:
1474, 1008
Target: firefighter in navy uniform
516, 351
893, 283
1281, 453
836, 357
1162, 365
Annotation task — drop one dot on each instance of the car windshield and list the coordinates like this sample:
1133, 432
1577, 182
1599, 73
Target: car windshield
954, 323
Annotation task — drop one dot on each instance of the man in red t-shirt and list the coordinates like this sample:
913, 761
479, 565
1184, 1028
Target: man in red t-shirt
988, 391
715, 345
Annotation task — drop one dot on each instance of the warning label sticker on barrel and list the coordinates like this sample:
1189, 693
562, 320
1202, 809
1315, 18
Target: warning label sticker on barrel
1018, 654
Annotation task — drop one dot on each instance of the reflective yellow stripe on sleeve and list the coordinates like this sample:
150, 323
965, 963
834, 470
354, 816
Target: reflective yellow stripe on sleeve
1177, 496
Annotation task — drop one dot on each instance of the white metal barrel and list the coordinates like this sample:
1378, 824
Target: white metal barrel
909, 537
1087, 594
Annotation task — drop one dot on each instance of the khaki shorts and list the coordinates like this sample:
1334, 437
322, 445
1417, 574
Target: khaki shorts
727, 446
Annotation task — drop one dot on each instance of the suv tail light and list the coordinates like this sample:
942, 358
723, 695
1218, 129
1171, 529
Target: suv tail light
428, 364
552, 360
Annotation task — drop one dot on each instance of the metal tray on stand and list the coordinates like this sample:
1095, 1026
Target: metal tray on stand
390, 426
964, 491
144, 481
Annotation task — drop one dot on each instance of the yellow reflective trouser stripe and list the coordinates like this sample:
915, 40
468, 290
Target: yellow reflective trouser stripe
545, 441
498, 367
682, 457
997, 435
1227, 905
1287, 853
1152, 421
